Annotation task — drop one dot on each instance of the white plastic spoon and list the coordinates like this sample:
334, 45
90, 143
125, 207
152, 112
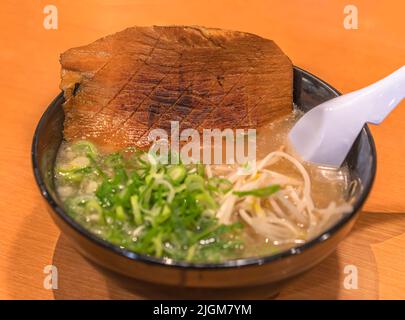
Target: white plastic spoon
325, 134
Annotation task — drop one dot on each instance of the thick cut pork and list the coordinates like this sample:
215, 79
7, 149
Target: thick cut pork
121, 86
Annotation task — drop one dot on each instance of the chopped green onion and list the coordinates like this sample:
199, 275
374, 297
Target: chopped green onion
206, 200
120, 213
219, 184
164, 215
157, 241
84, 147
200, 169
260, 192
172, 204
177, 174
136, 211
74, 174
194, 183
93, 207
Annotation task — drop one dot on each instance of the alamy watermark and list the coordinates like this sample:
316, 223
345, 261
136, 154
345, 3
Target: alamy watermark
51, 278
351, 280
351, 19
212, 146
51, 17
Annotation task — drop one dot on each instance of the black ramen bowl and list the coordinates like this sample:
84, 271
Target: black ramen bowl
270, 271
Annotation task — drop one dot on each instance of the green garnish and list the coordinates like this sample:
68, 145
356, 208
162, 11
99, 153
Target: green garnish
177, 174
260, 192
148, 207
84, 147
136, 211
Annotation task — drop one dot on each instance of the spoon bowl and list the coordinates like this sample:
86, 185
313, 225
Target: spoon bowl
325, 134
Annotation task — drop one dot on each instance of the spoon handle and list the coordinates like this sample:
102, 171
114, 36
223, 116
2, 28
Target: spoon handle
325, 134
383, 96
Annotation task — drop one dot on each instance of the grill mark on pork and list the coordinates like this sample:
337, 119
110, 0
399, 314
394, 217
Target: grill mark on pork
186, 106
208, 115
133, 112
207, 112
144, 77
155, 110
169, 100
148, 96
168, 114
151, 124
130, 78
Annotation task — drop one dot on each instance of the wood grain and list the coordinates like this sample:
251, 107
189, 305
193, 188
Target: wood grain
310, 32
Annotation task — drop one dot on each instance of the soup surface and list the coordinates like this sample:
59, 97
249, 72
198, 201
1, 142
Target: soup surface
201, 213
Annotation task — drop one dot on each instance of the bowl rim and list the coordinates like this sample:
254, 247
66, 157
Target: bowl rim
241, 262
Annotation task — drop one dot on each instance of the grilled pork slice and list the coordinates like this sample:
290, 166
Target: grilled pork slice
121, 86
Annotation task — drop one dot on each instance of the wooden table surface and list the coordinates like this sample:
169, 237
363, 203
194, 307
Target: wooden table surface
311, 33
